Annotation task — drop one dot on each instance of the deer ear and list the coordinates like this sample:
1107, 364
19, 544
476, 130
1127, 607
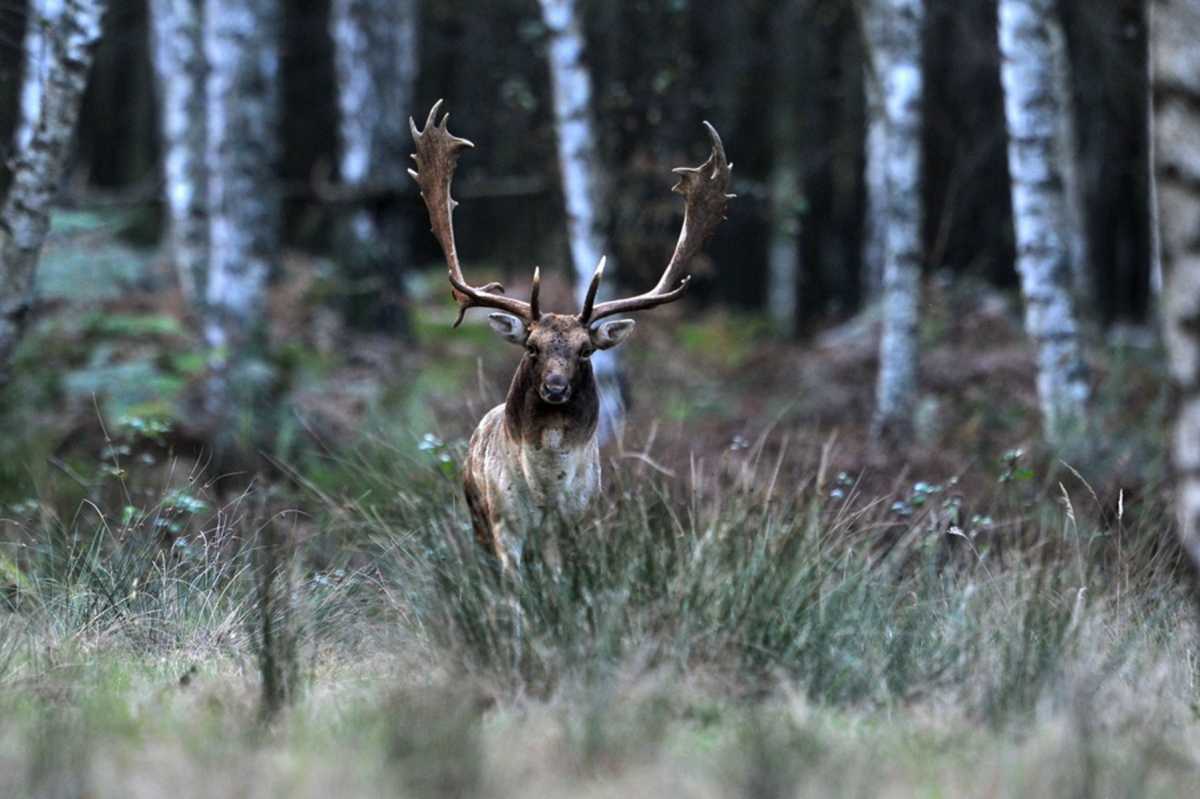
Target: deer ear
512, 328
606, 335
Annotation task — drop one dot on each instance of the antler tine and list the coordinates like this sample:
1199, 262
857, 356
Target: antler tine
704, 190
534, 311
585, 315
437, 156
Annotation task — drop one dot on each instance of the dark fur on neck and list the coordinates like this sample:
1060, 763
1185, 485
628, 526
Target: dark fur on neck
527, 415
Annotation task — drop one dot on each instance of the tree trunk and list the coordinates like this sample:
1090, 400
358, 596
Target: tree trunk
1067, 155
1175, 30
875, 168
375, 46
63, 35
241, 48
786, 195
875, 178
579, 164
36, 59
1032, 107
783, 251
1109, 71
895, 46
177, 49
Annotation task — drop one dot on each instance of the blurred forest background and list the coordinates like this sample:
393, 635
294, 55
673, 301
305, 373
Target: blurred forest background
784, 82
356, 304
891, 500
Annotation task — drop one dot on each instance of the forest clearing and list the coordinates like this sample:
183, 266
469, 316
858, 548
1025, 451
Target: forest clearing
898, 499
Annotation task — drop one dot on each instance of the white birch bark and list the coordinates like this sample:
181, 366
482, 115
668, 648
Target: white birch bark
1175, 30
177, 50
375, 59
1032, 108
37, 57
241, 49
896, 57
579, 163
64, 34
875, 168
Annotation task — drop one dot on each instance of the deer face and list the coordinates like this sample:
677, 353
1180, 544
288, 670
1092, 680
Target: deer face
557, 348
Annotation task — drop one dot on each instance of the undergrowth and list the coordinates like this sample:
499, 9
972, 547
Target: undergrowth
1043, 608
848, 597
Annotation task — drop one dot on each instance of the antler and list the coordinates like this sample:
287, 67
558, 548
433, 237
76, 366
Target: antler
436, 157
703, 187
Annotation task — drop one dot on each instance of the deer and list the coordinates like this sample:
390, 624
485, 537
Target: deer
536, 456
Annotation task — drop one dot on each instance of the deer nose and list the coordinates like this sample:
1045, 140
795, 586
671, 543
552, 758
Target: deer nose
555, 389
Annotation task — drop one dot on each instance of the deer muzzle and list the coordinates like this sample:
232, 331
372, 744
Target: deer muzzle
555, 389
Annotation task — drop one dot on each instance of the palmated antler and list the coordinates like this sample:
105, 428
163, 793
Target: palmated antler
704, 189
436, 157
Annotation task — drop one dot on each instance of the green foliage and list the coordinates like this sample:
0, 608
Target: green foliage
133, 325
113, 270
726, 340
127, 387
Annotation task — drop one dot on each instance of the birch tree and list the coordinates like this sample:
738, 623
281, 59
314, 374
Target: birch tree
375, 58
893, 28
241, 49
61, 38
786, 196
875, 152
579, 165
177, 50
1032, 108
1175, 30
783, 249
36, 59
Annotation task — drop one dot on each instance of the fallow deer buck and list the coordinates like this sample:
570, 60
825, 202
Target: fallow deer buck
536, 456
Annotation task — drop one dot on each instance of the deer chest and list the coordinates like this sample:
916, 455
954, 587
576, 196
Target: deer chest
560, 479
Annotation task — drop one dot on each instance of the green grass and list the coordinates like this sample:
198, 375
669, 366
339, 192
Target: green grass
703, 634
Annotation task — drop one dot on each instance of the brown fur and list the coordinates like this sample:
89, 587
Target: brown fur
529, 457
558, 341
537, 455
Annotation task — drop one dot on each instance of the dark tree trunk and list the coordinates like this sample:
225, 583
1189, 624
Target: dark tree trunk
784, 186
965, 182
119, 114
1107, 47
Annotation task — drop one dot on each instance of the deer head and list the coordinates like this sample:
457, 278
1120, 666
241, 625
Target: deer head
557, 346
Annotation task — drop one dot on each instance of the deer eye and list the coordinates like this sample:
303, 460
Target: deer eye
532, 350
586, 353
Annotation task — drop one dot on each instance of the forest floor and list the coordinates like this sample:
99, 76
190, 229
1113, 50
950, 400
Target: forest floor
763, 604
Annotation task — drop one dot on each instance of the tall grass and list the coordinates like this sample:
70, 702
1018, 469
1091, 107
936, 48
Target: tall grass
842, 597
770, 596
223, 584
855, 600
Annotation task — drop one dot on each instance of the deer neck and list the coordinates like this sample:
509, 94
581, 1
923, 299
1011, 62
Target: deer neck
534, 423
